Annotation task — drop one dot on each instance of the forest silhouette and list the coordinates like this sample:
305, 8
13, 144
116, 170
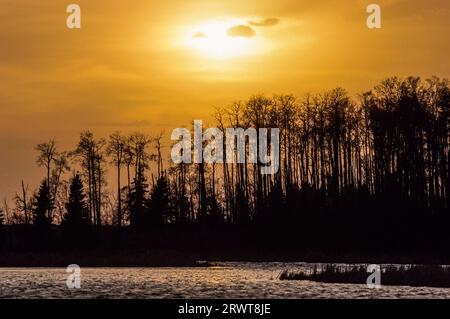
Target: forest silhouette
366, 175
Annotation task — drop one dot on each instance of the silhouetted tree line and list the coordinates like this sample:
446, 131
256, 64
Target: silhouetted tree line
385, 152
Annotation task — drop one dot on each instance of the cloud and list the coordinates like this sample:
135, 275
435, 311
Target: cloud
241, 31
267, 22
199, 35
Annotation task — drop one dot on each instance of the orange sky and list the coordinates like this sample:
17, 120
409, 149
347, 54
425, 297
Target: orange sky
142, 65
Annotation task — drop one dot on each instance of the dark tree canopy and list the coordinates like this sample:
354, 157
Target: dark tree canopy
385, 153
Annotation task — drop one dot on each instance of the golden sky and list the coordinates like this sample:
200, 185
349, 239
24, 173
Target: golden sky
151, 65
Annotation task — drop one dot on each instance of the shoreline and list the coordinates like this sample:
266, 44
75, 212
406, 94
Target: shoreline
163, 259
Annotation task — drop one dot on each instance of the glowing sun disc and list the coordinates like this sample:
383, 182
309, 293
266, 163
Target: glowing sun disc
212, 41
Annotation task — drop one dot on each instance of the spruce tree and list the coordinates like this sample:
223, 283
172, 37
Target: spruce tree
77, 214
43, 206
136, 201
159, 204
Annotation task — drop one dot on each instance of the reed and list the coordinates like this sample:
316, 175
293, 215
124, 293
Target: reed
411, 275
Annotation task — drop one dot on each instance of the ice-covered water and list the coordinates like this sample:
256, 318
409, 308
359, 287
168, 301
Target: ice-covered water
228, 280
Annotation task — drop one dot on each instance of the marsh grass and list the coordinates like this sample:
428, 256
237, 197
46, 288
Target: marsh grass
411, 275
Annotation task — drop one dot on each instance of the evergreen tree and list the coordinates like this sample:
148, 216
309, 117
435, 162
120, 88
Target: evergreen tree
136, 201
181, 207
159, 204
77, 213
214, 214
43, 205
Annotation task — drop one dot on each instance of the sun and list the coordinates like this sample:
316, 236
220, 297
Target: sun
212, 40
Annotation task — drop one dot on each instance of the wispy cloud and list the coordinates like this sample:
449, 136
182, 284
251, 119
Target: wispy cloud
199, 35
241, 31
267, 22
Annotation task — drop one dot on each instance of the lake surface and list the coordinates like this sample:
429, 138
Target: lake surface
227, 280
